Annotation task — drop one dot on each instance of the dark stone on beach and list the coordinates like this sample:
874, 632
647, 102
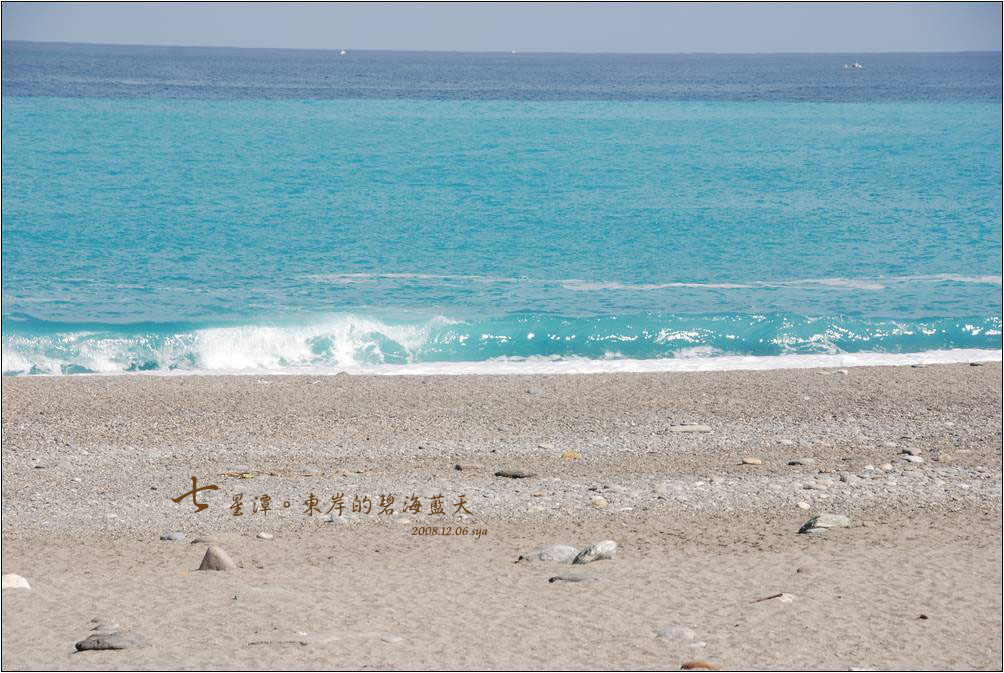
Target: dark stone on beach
121, 640
467, 467
821, 522
570, 578
514, 474
172, 536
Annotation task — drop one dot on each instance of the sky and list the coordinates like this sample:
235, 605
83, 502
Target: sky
530, 27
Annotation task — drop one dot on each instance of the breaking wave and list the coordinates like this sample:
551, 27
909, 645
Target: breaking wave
355, 342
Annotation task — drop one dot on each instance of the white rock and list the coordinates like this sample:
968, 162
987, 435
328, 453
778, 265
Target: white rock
677, 633
265, 536
599, 502
557, 553
13, 581
596, 552
803, 505
913, 459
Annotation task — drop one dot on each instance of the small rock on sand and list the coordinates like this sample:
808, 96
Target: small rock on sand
910, 451
264, 536
13, 581
514, 474
752, 461
596, 552
467, 467
570, 578
599, 502
802, 461
217, 559
690, 428
699, 666
913, 459
172, 536
558, 553
803, 505
677, 633
824, 521
121, 640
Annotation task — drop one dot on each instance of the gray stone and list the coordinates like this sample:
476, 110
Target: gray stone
596, 552
217, 559
121, 640
824, 521
570, 578
911, 452
913, 459
557, 553
172, 536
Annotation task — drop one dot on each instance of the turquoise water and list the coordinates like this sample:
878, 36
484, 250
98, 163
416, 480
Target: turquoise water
157, 234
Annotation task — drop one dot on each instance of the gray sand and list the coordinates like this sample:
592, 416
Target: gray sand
90, 465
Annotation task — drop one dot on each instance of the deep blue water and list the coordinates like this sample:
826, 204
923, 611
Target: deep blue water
222, 209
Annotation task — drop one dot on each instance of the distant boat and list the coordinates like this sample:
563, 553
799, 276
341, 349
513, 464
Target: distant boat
857, 66
343, 52
514, 51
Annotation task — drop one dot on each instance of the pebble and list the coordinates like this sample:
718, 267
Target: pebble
467, 467
690, 428
558, 553
885, 467
121, 640
803, 505
596, 552
172, 536
570, 578
825, 520
913, 459
699, 666
217, 559
802, 461
911, 452
13, 581
752, 461
599, 502
391, 639
546, 447
265, 536
677, 633
514, 474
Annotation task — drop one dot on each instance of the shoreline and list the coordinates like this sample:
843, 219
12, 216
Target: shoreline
543, 366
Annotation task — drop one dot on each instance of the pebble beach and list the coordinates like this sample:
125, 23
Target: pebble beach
701, 481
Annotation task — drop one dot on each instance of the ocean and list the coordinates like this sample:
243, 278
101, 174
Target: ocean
193, 210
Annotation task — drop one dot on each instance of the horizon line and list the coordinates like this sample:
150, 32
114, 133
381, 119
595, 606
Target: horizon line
515, 52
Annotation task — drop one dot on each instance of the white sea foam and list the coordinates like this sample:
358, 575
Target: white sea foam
579, 285
689, 363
